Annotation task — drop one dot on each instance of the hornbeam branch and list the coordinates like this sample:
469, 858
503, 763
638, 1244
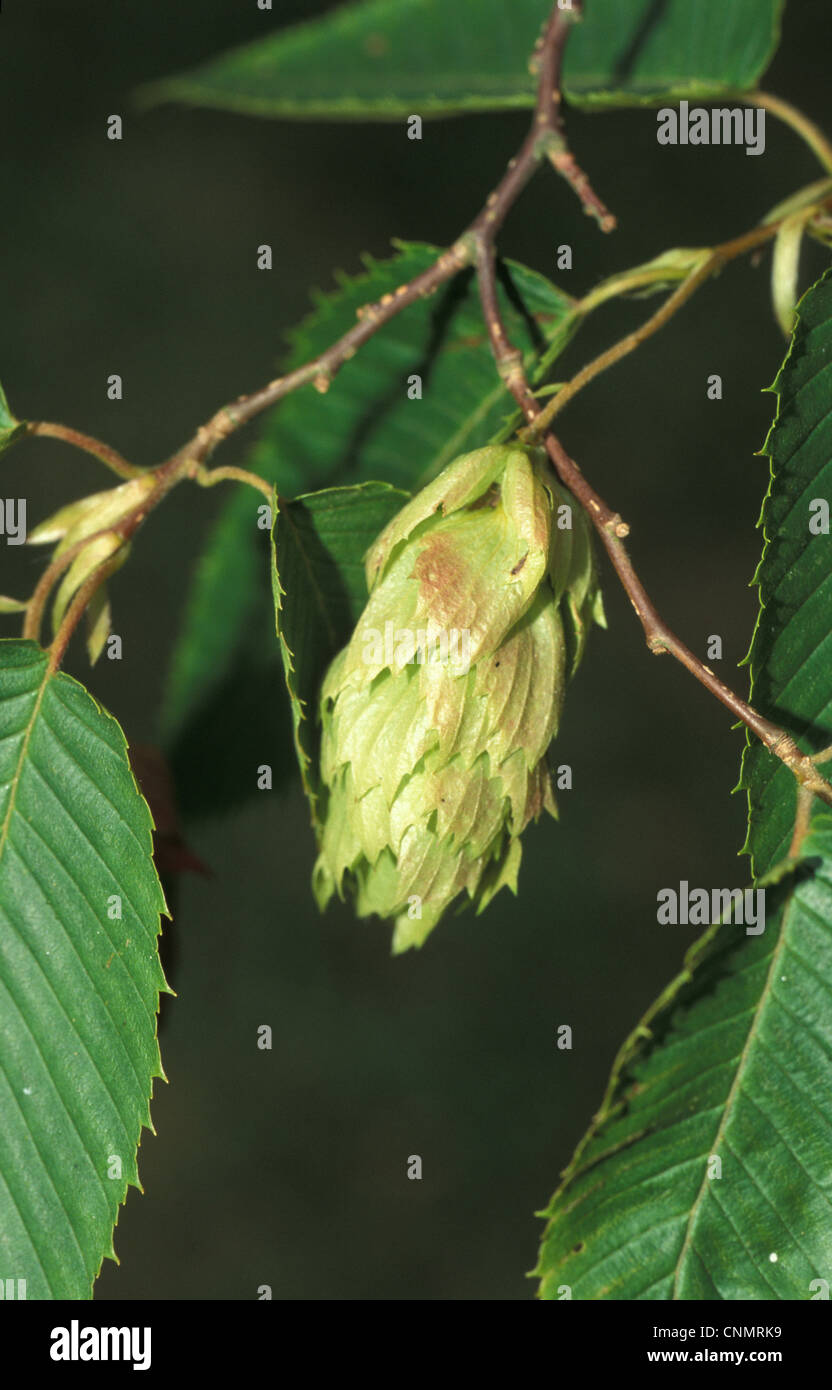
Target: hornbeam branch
475, 247
612, 529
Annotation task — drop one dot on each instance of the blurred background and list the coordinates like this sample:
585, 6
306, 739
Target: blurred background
288, 1167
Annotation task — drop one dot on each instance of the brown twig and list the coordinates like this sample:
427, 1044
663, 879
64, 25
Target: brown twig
321, 369
612, 530
85, 442
564, 163
467, 250
551, 136
470, 249
609, 525
660, 638
476, 246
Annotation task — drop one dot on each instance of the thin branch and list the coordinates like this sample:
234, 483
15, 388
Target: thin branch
85, 442
806, 129
476, 247
546, 127
508, 359
618, 350
660, 638
76, 608
40, 597
208, 477
564, 163
321, 370
718, 257
550, 122
612, 529
469, 249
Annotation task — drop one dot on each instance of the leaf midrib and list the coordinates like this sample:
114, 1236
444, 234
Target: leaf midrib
4, 837
733, 1094
4, 832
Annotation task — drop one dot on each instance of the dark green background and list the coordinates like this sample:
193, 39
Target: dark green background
288, 1167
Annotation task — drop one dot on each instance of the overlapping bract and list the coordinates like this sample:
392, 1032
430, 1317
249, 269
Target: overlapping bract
90, 519
437, 715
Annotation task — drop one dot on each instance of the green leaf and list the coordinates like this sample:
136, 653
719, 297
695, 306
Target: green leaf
732, 1062
79, 986
791, 654
646, 53
319, 587
10, 428
225, 690
388, 59
367, 426
364, 427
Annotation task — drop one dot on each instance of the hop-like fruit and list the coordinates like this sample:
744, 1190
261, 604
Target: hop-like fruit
436, 718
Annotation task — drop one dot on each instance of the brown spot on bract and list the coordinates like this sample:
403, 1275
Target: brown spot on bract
520, 564
440, 570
